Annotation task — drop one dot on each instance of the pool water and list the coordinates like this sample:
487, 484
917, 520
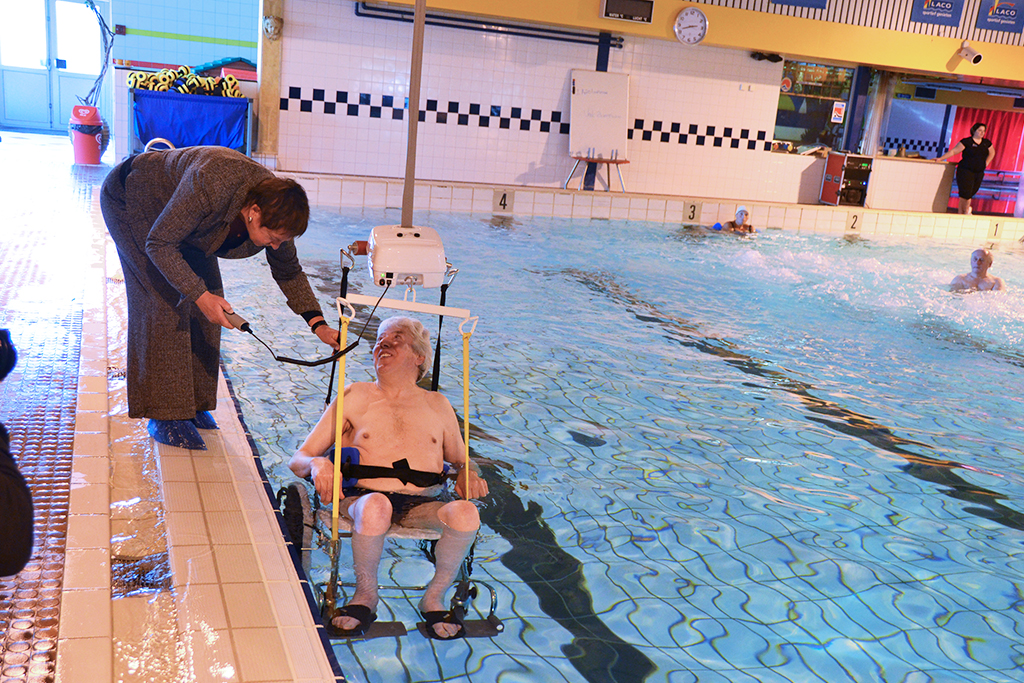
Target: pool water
711, 458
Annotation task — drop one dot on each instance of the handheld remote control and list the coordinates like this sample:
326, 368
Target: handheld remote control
237, 321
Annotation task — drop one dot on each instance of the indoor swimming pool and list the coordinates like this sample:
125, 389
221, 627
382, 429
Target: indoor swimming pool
711, 458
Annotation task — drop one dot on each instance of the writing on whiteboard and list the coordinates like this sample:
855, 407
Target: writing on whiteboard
599, 115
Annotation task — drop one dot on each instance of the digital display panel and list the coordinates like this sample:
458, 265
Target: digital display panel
629, 10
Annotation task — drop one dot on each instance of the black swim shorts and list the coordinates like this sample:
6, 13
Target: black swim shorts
401, 503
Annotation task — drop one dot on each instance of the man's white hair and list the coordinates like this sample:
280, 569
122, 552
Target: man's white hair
419, 338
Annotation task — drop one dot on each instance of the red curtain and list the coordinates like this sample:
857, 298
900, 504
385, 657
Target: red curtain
1006, 131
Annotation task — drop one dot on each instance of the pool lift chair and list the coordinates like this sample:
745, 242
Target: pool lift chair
396, 255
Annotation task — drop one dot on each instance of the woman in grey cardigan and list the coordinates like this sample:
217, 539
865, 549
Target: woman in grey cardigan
172, 214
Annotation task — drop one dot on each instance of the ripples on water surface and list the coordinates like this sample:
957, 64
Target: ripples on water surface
786, 458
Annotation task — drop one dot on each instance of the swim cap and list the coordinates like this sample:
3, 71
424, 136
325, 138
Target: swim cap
742, 208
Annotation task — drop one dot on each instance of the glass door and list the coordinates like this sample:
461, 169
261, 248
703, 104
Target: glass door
50, 56
24, 65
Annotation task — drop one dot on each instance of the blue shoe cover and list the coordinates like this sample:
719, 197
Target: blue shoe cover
180, 433
204, 420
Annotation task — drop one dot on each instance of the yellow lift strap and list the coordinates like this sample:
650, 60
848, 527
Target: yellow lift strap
465, 390
339, 418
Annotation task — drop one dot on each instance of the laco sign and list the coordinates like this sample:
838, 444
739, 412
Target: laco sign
944, 12
1000, 15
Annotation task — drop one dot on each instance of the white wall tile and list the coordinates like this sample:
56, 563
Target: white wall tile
619, 208
396, 192
352, 192
582, 205
524, 202
543, 204
329, 192
462, 199
637, 208
709, 213
562, 204
602, 206
656, 209
375, 194
808, 220
899, 225
674, 211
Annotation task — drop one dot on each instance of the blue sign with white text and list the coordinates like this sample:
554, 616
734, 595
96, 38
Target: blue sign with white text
816, 4
1001, 15
944, 12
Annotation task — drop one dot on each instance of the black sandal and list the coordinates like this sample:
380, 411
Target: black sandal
442, 617
361, 612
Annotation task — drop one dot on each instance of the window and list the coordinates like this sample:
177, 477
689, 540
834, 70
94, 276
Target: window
809, 98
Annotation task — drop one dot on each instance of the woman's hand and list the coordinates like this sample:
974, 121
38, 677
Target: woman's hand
328, 335
214, 307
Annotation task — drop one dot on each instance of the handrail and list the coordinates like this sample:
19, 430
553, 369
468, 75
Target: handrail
364, 9
997, 185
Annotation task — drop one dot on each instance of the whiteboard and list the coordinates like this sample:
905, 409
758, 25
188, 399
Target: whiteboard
598, 114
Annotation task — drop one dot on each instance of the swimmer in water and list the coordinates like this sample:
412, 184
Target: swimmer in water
740, 223
978, 279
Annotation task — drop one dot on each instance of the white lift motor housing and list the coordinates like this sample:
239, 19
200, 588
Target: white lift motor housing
412, 256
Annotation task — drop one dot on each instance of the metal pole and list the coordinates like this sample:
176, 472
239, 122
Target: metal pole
415, 74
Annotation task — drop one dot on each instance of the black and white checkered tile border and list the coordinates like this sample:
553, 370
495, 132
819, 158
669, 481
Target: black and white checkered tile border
518, 118
340, 103
658, 131
452, 112
912, 145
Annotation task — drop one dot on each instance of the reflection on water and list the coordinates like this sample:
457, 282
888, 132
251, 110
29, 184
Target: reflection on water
827, 413
698, 451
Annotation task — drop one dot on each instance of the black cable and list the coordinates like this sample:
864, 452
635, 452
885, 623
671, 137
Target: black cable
108, 44
298, 361
374, 309
437, 348
342, 291
333, 357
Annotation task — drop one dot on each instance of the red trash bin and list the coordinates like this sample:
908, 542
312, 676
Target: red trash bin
86, 130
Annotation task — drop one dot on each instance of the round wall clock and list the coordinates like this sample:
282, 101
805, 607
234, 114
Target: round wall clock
691, 26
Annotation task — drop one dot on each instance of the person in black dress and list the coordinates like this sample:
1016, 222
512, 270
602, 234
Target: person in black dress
16, 533
977, 153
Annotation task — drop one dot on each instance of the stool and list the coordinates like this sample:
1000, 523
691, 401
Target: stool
591, 160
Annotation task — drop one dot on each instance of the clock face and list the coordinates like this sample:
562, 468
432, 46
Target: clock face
691, 26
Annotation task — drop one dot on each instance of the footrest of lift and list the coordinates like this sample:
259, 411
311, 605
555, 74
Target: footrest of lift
472, 628
378, 629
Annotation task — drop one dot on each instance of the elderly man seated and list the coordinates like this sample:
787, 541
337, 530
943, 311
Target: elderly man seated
389, 421
978, 278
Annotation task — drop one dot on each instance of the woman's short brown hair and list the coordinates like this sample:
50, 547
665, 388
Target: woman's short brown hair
283, 205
